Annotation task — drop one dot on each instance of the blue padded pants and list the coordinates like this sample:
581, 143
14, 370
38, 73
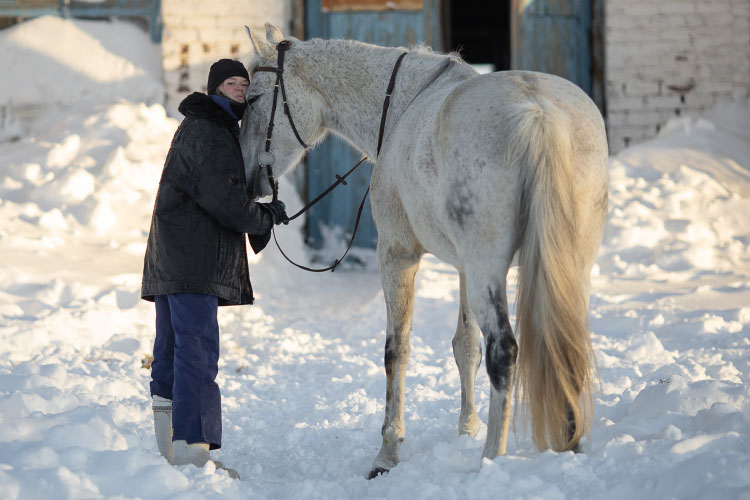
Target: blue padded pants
186, 361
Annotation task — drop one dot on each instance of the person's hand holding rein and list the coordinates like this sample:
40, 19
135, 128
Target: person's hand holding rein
277, 209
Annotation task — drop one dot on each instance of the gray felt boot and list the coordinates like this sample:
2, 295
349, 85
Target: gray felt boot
197, 454
163, 426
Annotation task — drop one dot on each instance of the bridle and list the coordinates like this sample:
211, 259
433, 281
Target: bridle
266, 157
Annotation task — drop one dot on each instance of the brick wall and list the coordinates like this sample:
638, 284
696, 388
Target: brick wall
199, 32
672, 57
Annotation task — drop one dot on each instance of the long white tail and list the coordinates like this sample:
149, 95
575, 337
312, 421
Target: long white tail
555, 362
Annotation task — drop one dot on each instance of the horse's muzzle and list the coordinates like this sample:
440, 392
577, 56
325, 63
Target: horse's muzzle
261, 186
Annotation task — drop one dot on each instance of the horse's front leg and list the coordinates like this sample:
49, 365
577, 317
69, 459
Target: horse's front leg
397, 269
467, 352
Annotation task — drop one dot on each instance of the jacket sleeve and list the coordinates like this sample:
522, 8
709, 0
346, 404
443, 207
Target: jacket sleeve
208, 174
259, 242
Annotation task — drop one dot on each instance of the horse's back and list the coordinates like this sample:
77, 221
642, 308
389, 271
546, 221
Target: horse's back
480, 117
478, 110
462, 159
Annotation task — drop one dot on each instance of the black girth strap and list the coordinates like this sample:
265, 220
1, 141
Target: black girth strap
387, 101
283, 47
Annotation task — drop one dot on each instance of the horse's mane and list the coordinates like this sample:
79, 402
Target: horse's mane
344, 44
424, 49
421, 49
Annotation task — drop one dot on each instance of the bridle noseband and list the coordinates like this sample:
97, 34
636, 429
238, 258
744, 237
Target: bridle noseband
266, 158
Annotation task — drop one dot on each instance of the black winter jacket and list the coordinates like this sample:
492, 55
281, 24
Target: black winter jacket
196, 243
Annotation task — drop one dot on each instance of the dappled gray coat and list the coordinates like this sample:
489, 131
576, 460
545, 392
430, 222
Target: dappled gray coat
196, 243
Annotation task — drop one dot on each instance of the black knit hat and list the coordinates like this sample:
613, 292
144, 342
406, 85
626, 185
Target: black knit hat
223, 69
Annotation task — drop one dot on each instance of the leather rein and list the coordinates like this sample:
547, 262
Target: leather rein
266, 157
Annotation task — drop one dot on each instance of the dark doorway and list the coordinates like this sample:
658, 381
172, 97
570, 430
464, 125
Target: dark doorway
479, 31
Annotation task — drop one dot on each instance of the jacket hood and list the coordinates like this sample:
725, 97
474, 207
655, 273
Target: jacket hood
200, 105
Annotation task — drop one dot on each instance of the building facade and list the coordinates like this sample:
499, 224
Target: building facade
671, 58
661, 59
648, 61
197, 32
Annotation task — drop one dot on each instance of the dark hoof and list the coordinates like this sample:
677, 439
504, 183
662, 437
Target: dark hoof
377, 471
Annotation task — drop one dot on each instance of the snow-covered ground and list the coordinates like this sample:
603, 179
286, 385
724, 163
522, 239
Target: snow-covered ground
301, 371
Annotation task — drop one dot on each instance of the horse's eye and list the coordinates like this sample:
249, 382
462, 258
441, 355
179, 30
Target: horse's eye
252, 99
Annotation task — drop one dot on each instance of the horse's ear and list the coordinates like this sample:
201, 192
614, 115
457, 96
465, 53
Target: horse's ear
273, 34
259, 45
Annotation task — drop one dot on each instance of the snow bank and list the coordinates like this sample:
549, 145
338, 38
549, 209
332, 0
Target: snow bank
50, 60
301, 371
696, 177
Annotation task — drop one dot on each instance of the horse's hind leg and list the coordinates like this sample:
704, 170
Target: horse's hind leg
398, 266
468, 354
487, 296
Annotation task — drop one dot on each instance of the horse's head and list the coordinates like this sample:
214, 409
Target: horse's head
304, 103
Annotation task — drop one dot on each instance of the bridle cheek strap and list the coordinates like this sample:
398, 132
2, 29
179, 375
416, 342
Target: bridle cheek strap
281, 48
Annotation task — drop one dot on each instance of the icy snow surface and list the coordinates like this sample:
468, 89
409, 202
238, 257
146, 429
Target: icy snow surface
301, 372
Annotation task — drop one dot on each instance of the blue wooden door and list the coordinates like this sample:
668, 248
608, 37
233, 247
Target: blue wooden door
337, 212
553, 36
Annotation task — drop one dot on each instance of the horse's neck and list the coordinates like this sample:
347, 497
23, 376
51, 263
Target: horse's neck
353, 77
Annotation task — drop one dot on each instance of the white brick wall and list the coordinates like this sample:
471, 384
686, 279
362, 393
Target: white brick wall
663, 57
199, 32
671, 57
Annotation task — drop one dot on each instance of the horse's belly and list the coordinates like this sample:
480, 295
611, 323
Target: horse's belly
419, 191
411, 172
404, 210
434, 238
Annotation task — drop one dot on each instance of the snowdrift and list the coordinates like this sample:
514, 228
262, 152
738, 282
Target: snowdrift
301, 372
50, 60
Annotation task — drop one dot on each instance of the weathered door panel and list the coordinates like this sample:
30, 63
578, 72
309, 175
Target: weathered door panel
334, 156
553, 36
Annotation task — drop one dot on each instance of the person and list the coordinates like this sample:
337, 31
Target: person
196, 261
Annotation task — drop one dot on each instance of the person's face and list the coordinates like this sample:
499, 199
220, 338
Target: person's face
234, 88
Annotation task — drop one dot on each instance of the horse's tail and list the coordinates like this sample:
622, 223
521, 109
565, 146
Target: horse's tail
555, 362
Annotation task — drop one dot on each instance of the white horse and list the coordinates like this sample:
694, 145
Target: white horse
473, 169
